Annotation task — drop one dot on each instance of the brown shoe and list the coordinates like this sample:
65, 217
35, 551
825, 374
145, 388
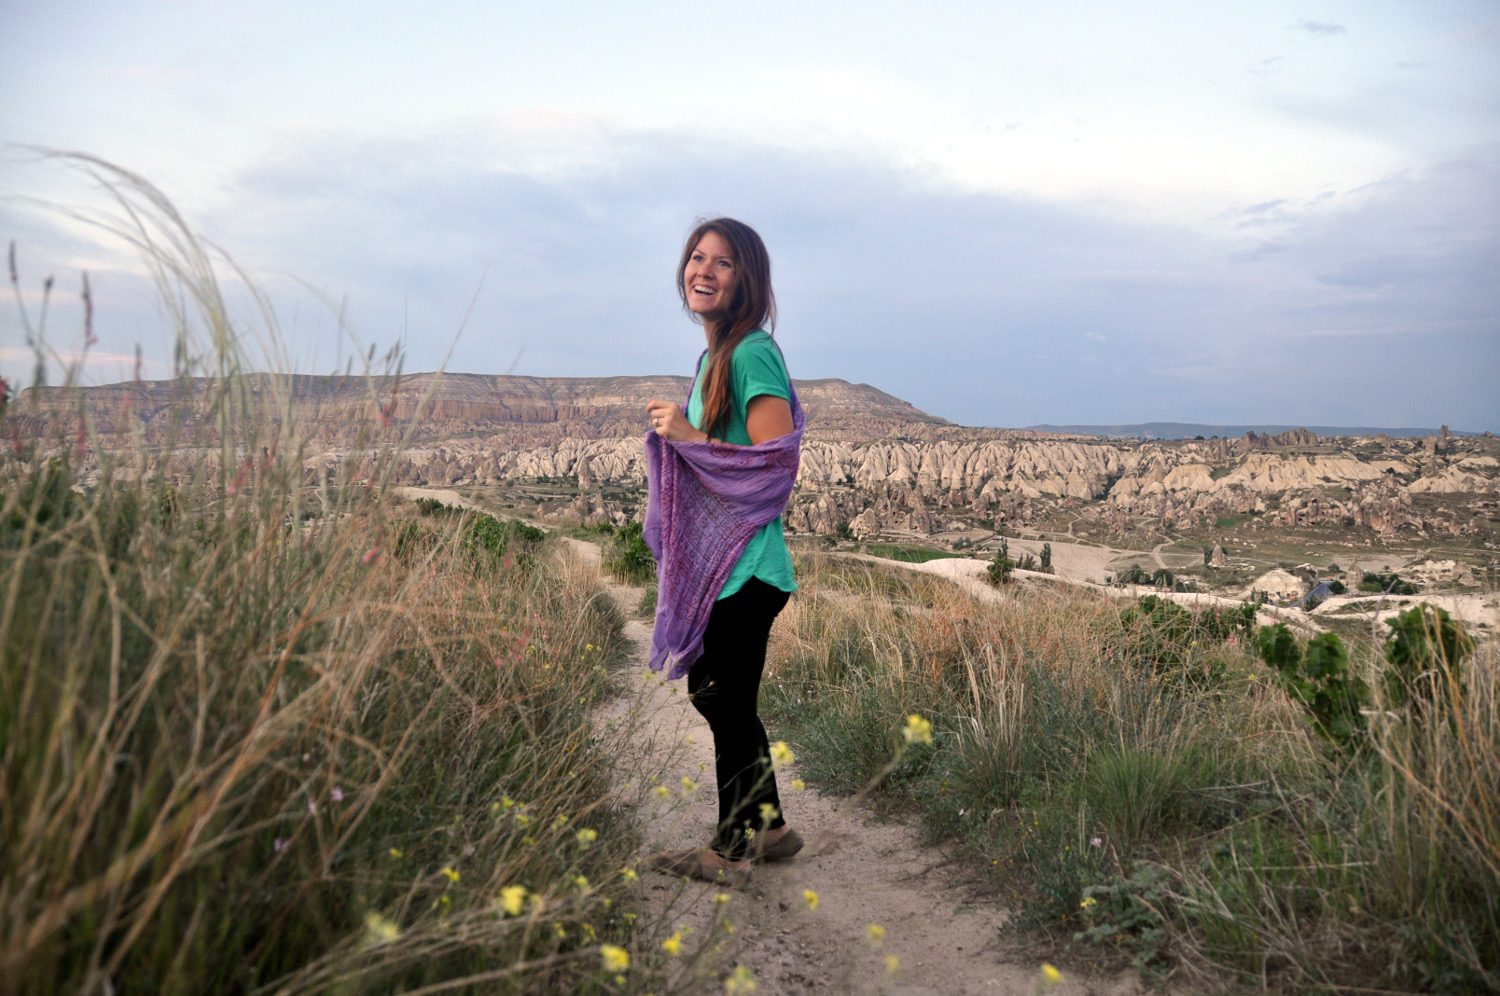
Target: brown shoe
701, 864
783, 847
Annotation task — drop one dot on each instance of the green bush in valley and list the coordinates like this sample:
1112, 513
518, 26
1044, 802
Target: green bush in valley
1386, 583
1321, 679
1169, 639
627, 557
1425, 650
1001, 567
511, 543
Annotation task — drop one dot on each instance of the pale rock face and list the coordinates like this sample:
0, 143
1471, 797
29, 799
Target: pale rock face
1457, 479
1277, 583
868, 458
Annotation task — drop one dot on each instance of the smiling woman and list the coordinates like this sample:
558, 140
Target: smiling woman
719, 473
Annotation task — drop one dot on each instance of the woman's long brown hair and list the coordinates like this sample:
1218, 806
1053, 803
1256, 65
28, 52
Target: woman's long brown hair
753, 306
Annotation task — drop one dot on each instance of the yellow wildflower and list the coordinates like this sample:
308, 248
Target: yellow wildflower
673, 944
892, 964
581, 882
661, 790
810, 898
616, 959
1051, 974
781, 753
381, 930
1088, 902
798, 785
587, 836
449, 873
875, 932
768, 812
628, 874
720, 898
512, 897
396, 853
917, 730
688, 785
741, 980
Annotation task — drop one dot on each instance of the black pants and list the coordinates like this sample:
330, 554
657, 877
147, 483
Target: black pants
723, 686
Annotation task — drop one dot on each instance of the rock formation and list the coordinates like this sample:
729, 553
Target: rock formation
871, 463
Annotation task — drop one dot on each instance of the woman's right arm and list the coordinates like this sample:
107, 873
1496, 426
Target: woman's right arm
768, 417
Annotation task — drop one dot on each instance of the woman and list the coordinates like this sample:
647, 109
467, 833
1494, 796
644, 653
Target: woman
718, 477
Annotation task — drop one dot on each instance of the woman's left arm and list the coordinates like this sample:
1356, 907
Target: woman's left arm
768, 417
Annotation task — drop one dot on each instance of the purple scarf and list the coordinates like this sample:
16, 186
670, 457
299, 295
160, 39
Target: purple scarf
704, 502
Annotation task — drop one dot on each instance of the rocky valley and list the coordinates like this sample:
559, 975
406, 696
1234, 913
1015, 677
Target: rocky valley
874, 469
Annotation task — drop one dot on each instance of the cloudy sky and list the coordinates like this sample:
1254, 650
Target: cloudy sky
1004, 213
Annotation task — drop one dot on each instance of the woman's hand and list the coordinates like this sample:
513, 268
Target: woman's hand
670, 423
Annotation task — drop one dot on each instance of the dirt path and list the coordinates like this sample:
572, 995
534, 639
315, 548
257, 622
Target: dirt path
940, 931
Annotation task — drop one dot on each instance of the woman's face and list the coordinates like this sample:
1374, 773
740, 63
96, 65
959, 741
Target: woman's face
709, 278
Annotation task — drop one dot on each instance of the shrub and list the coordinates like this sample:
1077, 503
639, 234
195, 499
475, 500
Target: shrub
628, 558
1168, 639
1425, 650
1387, 583
1321, 679
1000, 569
508, 544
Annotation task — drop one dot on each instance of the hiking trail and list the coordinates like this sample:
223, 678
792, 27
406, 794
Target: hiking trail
937, 922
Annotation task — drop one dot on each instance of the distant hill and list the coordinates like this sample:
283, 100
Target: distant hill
444, 405
1191, 430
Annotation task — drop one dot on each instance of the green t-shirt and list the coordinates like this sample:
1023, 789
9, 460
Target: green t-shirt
756, 368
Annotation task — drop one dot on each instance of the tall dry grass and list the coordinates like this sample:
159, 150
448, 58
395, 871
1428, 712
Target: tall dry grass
264, 728
1145, 787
